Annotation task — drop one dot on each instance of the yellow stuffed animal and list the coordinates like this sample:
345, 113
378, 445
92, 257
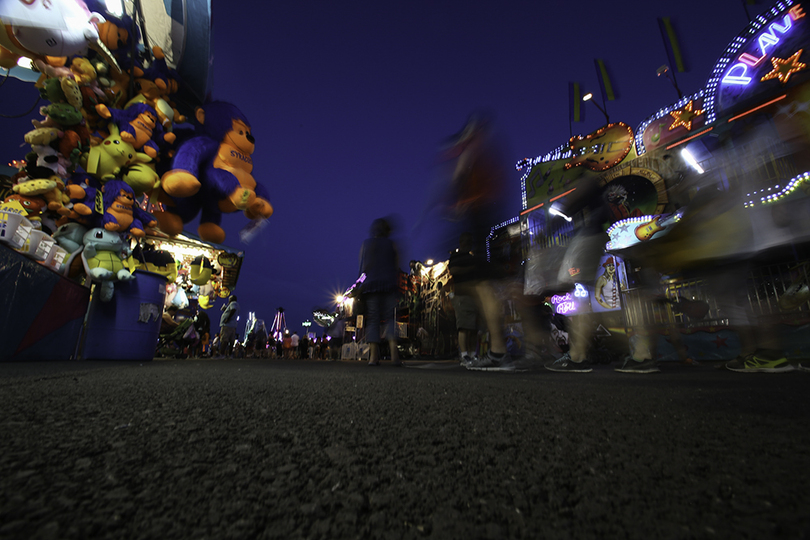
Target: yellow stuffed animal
42, 135
52, 190
106, 159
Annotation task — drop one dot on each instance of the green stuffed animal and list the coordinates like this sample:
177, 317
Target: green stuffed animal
59, 114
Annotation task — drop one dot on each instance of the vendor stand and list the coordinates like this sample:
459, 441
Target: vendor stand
182, 271
116, 115
430, 321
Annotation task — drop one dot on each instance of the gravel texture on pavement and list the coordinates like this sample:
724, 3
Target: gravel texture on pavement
301, 449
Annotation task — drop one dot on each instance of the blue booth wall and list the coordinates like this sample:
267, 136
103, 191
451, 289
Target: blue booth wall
41, 311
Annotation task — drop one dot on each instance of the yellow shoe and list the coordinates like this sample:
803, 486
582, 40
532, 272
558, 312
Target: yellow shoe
759, 363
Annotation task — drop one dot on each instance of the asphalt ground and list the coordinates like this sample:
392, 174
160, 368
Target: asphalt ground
304, 449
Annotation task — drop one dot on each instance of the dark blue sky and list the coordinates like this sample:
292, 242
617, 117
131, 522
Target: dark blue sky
350, 101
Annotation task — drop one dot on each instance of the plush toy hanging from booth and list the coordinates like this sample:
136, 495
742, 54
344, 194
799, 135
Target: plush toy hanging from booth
201, 270
121, 213
111, 123
212, 174
37, 30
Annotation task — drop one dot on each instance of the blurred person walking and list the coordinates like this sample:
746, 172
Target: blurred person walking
303, 347
260, 331
379, 261
227, 326
583, 254
286, 343
462, 265
202, 324
714, 241
475, 198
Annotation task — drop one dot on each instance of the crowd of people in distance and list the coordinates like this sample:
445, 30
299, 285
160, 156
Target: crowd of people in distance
256, 345
197, 341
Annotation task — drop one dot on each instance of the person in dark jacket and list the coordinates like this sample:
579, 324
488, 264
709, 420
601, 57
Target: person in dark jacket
379, 261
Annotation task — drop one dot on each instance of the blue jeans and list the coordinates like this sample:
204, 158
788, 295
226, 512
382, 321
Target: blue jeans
380, 307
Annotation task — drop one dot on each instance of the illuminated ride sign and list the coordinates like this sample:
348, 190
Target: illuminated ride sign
601, 149
760, 60
767, 41
763, 64
671, 125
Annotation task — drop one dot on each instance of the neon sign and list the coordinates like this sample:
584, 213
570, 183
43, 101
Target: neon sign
568, 302
738, 73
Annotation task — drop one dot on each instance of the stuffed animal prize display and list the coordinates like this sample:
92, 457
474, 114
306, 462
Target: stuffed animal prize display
111, 162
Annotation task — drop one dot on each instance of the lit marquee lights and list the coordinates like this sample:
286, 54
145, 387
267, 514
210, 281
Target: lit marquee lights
622, 233
684, 117
502, 225
766, 31
783, 69
494, 230
601, 149
561, 152
640, 148
738, 73
765, 197
740, 62
629, 221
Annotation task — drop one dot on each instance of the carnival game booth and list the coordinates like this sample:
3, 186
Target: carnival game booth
126, 151
197, 271
721, 175
54, 310
181, 271
427, 312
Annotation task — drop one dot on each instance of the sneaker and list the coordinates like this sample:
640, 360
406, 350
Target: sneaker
489, 362
638, 366
564, 364
465, 360
506, 364
754, 363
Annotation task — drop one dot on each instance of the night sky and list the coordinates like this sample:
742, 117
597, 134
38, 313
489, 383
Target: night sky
349, 103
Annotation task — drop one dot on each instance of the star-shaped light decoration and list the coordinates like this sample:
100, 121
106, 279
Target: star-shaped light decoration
783, 69
685, 116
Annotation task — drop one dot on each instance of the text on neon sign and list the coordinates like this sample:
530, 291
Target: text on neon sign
737, 74
566, 303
